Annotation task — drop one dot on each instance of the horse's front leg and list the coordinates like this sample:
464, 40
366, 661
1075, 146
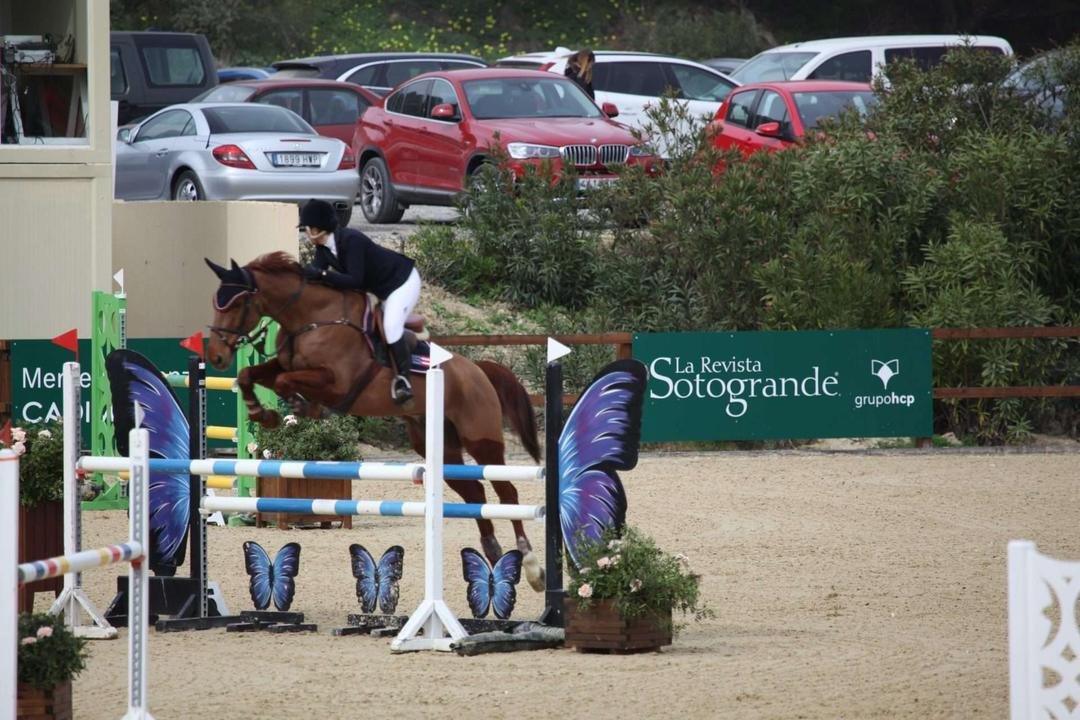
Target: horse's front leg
298, 386
264, 374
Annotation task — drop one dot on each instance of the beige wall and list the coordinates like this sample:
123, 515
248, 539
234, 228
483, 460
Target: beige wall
161, 246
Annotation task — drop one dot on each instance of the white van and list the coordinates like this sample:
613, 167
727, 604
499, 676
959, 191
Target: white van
859, 59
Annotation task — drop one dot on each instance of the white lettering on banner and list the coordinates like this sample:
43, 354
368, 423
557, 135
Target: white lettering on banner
34, 412
737, 390
32, 380
862, 401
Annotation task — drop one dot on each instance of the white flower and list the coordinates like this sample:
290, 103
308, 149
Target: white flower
266, 454
614, 544
635, 585
682, 559
614, 560
585, 570
603, 562
18, 435
19, 447
252, 447
28, 640
585, 590
44, 434
290, 420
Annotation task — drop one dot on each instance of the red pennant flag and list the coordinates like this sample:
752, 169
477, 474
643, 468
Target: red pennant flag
69, 341
5, 433
194, 343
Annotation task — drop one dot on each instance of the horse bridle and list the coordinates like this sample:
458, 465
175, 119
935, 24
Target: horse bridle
233, 339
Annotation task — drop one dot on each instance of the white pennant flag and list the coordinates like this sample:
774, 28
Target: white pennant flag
119, 278
556, 350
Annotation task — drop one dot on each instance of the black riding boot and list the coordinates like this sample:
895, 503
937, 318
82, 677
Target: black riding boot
401, 389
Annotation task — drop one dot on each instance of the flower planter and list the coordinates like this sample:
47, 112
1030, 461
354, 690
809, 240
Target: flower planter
44, 704
41, 535
302, 488
602, 627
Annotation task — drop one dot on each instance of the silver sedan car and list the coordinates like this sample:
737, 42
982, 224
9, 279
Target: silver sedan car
233, 151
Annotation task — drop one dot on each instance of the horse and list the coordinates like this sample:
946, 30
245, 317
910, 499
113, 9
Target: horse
324, 360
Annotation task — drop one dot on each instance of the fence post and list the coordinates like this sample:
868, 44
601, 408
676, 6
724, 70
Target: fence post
9, 590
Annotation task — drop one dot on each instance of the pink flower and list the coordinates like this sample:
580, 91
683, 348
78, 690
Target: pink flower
19, 448
584, 591
28, 640
18, 435
44, 631
252, 447
635, 585
44, 434
603, 562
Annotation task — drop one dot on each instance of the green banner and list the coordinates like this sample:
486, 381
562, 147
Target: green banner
37, 365
778, 385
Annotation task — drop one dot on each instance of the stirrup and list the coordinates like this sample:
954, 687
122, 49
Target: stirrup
401, 390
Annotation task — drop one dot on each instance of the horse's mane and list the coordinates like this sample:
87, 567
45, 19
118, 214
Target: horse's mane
276, 262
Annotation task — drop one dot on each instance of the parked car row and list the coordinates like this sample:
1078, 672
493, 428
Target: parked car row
399, 129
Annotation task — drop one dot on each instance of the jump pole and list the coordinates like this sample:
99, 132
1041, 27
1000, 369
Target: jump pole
554, 592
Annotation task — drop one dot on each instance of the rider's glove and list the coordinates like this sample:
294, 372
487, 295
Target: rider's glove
313, 273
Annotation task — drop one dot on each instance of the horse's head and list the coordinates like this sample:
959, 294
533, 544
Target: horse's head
234, 316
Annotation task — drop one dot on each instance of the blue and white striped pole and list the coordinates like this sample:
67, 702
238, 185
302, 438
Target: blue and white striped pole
387, 508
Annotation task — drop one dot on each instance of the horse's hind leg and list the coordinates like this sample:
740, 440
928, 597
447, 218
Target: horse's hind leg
486, 452
469, 490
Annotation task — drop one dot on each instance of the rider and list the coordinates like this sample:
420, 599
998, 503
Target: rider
349, 259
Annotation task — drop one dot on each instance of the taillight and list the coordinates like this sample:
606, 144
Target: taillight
348, 160
233, 156
545, 66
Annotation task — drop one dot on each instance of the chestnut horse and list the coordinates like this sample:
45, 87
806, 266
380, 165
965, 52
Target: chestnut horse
324, 361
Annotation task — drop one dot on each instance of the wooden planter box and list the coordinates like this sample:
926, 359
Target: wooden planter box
602, 627
302, 488
41, 535
37, 704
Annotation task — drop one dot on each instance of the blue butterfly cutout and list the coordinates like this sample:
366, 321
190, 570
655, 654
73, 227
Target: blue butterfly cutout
134, 379
272, 580
600, 437
377, 583
491, 587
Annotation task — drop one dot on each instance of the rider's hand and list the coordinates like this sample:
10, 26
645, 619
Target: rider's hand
313, 273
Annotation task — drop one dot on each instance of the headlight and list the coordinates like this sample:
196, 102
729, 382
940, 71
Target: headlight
641, 151
524, 151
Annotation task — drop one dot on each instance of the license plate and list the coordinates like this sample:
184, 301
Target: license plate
590, 183
296, 159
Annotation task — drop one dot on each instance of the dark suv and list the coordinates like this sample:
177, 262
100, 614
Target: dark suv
378, 72
152, 70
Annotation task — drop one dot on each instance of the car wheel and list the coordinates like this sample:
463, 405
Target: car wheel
482, 179
187, 187
344, 214
377, 200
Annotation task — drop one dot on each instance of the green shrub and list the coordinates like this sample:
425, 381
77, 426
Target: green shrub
40, 447
298, 438
49, 653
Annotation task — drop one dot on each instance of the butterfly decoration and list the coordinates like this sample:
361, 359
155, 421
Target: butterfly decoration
272, 580
600, 436
377, 584
135, 380
491, 587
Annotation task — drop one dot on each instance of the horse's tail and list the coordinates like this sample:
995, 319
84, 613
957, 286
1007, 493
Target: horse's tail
516, 404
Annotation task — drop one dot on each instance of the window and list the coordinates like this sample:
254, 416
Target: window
741, 107
630, 78
399, 72
814, 107
458, 65
698, 84
442, 92
772, 66
290, 99
172, 66
334, 107
364, 76
254, 118
117, 79
854, 66
772, 108
226, 93
167, 125
413, 99
924, 57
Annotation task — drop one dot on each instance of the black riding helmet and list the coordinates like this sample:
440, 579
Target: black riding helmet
318, 214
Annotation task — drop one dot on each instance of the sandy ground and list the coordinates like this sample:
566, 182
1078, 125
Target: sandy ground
845, 585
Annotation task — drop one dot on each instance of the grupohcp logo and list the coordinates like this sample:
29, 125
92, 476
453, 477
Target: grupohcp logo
884, 371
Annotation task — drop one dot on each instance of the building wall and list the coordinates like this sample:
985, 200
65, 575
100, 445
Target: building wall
161, 246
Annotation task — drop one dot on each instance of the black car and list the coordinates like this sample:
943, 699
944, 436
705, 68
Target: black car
378, 72
152, 70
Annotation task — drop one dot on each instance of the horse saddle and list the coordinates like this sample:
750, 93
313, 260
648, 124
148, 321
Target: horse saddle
416, 337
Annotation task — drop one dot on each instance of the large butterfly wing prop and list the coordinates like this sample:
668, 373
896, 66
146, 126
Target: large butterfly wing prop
390, 569
366, 574
477, 573
504, 576
134, 379
286, 567
600, 437
261, 573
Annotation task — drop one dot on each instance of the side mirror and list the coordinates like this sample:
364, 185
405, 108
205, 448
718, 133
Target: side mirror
124, 135
770, 129
610, 109
444, 111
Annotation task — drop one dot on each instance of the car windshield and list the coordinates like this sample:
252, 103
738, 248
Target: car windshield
255, 118
771, 66
526, 97
817, 106
225, 93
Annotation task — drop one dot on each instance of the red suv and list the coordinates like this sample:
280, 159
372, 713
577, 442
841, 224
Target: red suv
774, 115
433, 133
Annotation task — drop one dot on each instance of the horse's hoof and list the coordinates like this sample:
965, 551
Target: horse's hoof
534, 571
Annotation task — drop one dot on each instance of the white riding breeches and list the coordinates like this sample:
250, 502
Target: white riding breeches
398, 305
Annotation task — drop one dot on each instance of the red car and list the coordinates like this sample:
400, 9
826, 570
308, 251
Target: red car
774, 115
433, 133
329, 106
